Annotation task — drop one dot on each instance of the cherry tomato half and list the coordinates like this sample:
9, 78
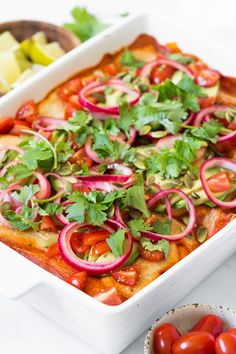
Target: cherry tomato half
70, 111
80, 157
100, 248
48, 224
128, 275
109, 297
78, 280
153, 256
92, 238
6, 123
70, 88
207, 78
28, 111
164, 338
77, 243
225, 344
194, 343
220, 182
210, 323
160, 73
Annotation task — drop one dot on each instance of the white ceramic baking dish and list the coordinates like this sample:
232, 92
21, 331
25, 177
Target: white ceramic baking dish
111, 329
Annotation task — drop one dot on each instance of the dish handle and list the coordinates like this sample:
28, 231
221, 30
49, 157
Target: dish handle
17, 274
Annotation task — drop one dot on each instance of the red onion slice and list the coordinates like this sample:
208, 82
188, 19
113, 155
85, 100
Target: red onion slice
203, 116
220, 162
48, 124
101, 86
77, 263
44, 185
192, 215
146, 70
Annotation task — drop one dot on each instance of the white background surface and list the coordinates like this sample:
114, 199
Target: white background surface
22, 329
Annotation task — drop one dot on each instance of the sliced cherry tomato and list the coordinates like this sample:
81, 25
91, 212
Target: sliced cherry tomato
48, 224
100, 248
220, 182
28, 111
70, 88
194, 343
74, 101
196, 67
206, 101
77, 243
110, 69
19, 126
210, 323
6, 124
53, 250
207, 78
232, 331
78, 280
80, 157
225, 344
164, 338
153, 256
128, 275
160, 73
109, 297
92, 238
70, 111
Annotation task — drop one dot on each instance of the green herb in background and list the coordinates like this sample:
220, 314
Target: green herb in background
85, 25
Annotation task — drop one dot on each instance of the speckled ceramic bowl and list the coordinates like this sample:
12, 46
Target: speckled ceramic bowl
186, 316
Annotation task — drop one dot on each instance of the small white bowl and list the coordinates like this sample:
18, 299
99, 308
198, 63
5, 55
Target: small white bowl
185, 317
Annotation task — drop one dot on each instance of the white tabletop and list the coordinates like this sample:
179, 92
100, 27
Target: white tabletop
22, 329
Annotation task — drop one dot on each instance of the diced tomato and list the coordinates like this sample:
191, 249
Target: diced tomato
110, 69
78, 280
6, 124
53, 250
161, 73
19, 126
70, 88
80, 157
207, 78
74, 101
70, 111
88, 79
173, 47
108, 297
77, 243
128, 275
100, 248
48, 224
206, 101
28, 111
92, 238
218, 220
153, 256
220, 182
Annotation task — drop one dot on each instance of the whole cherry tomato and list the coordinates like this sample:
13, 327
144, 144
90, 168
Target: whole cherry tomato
194, 343
225, 344
78, 280
232, 330
210, 323
164, 338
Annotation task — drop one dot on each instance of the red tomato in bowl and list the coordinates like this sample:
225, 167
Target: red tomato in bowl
232, 330
194, 343
164, 338
225, 344
210, 323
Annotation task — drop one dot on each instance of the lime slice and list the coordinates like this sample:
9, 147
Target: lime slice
46, 54
24, 76
39, 38
8, 42
9, 67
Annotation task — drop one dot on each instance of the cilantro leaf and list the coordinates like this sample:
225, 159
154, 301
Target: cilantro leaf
208, 131
163, 228
50, 209
116, 241
19, 171
135, 198
75, 212
26, 193
22, 221
180, 58
138, 225
161, 245
85, 25
37, 154
129, 60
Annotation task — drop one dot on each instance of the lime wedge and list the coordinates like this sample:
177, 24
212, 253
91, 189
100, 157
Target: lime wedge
39, 38
25, 46
46, 54
9, 68
23, 77
8, 42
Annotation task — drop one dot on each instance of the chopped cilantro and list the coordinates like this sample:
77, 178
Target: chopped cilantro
163, 228
129, 60
138, 225
162, 245
116, 241
26, 193
208, 131
135, 198
180, 58
23, 220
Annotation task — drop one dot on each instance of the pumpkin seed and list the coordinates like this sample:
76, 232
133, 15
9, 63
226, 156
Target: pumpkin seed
192, 175
195, 195
140, 164
186, 220
188, 181
158, 134
150, 179
145, 130
202, 234
168, 185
